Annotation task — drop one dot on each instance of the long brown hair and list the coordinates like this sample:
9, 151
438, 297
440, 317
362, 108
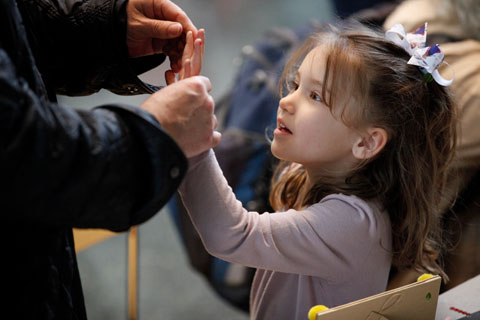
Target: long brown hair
408, 177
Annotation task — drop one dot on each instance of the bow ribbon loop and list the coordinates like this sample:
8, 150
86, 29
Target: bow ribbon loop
427, 58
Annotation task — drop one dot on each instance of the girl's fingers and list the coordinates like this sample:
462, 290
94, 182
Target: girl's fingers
197, 57
214, 122
188, 50
192, 57
187, 53
201, 35
187, 69
169, 77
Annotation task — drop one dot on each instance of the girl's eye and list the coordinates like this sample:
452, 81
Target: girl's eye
315, 96
293, 86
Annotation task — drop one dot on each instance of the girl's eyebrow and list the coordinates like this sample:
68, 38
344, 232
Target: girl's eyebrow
316, 82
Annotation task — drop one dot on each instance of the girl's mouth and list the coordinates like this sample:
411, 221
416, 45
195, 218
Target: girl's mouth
283, 128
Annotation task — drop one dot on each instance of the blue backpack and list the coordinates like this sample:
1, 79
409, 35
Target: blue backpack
244, 113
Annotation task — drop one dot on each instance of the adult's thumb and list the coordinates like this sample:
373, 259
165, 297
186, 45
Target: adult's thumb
162, 29
216, 138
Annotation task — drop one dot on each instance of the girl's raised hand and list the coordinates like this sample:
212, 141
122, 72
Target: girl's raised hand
192, 58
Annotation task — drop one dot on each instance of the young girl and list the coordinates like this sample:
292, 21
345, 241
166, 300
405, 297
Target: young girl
365, 141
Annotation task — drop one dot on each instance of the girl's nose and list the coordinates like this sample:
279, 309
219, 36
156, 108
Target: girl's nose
287, 103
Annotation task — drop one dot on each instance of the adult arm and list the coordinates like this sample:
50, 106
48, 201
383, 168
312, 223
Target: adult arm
81, 46
110, 167
329, 239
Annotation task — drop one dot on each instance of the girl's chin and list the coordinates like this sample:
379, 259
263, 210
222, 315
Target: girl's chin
273, 149
276, 151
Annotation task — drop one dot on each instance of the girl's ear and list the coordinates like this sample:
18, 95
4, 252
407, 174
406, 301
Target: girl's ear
366, 147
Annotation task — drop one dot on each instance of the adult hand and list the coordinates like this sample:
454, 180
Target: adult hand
157, 26
185, 111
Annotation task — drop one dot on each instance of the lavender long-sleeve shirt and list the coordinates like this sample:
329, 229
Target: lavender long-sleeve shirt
331, 253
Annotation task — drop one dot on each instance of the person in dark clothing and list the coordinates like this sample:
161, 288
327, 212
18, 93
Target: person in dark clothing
346, 8
110, 167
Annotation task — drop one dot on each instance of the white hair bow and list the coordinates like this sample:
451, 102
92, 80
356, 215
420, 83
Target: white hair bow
427, 58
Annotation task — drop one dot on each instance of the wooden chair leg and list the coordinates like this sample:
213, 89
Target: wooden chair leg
132, 273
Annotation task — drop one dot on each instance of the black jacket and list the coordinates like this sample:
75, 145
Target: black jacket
111, 167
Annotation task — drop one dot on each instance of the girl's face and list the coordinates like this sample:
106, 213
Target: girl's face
308, 132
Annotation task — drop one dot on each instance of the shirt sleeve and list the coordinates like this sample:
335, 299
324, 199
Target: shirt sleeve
329, 239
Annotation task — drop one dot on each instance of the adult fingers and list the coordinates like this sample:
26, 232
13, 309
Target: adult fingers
216, 138
174, 49
169, 77
161, 29
176, 65
170, 11
205, 81
158, 45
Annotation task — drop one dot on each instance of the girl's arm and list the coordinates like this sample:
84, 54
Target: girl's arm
329, 239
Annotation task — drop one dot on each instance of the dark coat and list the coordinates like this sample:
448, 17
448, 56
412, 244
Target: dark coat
111, 167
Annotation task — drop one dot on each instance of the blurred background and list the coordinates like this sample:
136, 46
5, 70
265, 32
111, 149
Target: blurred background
168, 288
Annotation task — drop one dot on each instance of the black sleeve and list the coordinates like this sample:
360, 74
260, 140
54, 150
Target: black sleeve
80, 46
111, 167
